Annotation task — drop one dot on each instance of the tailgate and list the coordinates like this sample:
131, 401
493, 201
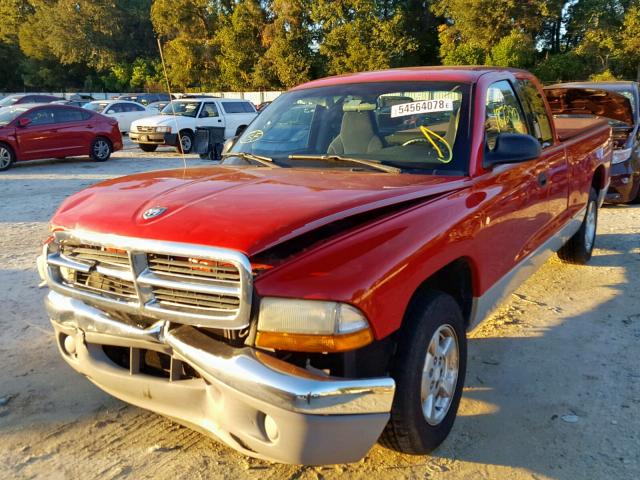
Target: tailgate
589, 101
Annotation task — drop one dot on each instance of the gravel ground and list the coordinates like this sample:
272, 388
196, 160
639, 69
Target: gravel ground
553, 388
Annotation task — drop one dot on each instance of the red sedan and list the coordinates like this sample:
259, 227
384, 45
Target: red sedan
31, 132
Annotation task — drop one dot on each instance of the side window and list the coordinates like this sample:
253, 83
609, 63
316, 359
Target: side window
234, 107
86, 114
503, 113
115, 108
135, 108
42, 116
209, 110
65, 115
536, 112
248, 107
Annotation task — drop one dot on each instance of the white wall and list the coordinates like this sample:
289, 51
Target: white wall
255, 97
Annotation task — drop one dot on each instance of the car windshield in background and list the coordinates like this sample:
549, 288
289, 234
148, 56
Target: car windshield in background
185, 109
96, 106
8, 114
419, 127
8, 101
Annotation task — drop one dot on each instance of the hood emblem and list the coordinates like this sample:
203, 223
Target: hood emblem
153, 212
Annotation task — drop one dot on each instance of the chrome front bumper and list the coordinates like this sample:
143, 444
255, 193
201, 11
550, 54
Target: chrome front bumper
255, 403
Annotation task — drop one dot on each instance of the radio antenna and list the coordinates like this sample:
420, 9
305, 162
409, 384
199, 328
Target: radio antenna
173, 108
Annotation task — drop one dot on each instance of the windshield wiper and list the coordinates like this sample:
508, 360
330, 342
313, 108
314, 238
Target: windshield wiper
338, 158
250, 156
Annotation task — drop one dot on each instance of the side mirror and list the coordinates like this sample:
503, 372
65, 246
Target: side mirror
512, 148
24, 122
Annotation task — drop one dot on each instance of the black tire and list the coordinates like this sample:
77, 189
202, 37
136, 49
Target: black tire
185, 139
579, 247
7, 157
408, 430
240, 130
148, 147
100, 149
636, 200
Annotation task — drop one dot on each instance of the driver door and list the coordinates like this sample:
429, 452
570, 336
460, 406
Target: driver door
210, 116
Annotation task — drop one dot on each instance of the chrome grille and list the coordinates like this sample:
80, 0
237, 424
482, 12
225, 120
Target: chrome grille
142, 129
193, 268
184, 283
110, 257
104, 284
196, 301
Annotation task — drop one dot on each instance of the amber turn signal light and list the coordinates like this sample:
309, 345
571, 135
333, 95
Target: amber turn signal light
297, 342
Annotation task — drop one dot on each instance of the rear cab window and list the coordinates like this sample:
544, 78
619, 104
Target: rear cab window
237, 107
536, 112
503, 113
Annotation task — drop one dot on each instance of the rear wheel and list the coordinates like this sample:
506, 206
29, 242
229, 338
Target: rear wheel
186, 142
100, 149
7, 157
429, 369
579, 248
148, 147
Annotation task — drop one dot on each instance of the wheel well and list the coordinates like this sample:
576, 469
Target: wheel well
188, 130
598, 179
104, 138
240, 129
454, 279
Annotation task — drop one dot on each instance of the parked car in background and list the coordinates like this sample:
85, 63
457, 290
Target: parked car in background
157, 107
625, 166
73, 103
145, 98
20, 98
35, 131
176, 124
123, 111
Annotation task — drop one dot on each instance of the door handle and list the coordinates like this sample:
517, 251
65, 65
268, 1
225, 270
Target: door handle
542, 179
219, 121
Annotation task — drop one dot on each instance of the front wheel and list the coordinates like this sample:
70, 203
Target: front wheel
100, 149
429, 369
579, 248
7, 157
185, 142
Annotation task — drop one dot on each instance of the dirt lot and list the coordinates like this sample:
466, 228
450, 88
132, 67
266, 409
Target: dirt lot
553, 389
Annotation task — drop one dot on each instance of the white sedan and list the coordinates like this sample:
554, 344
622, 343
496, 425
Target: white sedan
123, 111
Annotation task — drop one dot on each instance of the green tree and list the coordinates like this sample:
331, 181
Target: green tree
287, 37
240, 41
357, 35
514, 50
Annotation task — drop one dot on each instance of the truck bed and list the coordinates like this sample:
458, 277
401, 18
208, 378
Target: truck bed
568, 127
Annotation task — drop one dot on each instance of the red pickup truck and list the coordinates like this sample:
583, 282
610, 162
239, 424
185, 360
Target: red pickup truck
312, 294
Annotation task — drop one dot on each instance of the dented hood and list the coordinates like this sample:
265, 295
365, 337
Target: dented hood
246, 209
589, 101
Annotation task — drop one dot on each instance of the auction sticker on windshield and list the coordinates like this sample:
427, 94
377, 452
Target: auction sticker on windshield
422, 106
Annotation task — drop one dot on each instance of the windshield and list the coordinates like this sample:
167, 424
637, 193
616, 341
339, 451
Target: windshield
8, 114
10, 100
182, 108
418, 126
96, 106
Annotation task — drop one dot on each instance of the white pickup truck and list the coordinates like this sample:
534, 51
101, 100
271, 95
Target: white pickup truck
177, 122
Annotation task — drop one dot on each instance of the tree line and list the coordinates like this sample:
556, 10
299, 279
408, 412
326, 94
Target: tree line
217, 45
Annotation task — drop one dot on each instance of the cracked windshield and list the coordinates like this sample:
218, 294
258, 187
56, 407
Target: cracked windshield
396, 127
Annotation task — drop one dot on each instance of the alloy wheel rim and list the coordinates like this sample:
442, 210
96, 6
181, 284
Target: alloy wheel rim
5, 157
101, 149
590, 228
440, 374
186, 142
